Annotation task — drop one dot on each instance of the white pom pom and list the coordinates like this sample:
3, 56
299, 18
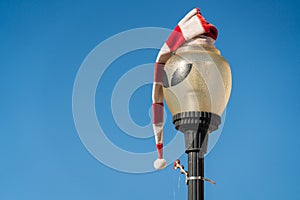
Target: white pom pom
160, 164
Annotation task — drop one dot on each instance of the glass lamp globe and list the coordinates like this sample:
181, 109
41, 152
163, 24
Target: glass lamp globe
197, 79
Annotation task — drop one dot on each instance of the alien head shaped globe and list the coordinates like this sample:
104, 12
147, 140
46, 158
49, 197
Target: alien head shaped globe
197, 78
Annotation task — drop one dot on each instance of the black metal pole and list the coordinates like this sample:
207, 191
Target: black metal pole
195, 169
196, 126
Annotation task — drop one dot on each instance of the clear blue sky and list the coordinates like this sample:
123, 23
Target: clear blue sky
43, 44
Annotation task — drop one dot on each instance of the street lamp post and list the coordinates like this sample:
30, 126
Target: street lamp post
196, 126
196, 86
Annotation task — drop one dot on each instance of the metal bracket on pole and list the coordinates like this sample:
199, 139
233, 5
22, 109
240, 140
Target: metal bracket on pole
200, 178
187, 178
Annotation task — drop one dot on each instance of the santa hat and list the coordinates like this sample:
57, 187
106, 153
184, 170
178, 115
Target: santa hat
190, 27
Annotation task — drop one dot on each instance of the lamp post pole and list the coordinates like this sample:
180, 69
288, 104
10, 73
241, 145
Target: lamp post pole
195, 168
196, 127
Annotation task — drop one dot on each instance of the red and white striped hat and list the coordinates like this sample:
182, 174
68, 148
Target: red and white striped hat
191, 26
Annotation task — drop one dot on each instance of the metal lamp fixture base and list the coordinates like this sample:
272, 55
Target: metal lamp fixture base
196, 127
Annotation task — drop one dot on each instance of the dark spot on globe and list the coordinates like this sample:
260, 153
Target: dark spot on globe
165, 80
181, 73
